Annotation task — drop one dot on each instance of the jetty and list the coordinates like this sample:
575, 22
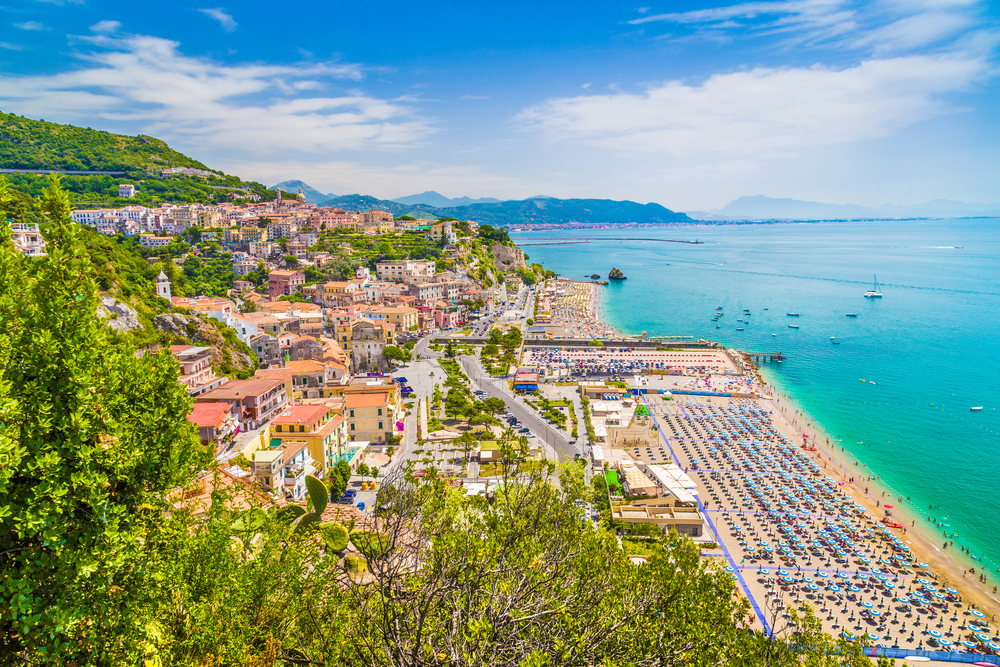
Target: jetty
757, 357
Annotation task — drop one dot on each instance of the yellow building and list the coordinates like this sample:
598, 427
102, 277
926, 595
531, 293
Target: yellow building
369, 416
253, 233
404, 317
319, 427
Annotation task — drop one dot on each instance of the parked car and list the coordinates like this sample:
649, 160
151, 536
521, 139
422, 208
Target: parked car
361, 506
345, 500
524, 430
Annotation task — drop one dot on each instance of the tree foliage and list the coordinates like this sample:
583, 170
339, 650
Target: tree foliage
92, 440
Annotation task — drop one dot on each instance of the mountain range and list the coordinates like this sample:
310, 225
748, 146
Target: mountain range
438, 200
768, 208
534, 210
312, 195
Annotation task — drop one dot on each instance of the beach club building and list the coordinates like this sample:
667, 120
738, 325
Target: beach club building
526, 379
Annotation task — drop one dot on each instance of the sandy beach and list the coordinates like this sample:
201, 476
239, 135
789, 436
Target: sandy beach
801, 522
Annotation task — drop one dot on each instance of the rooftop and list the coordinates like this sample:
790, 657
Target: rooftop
208, 414
373, 400
239, 389
301, 414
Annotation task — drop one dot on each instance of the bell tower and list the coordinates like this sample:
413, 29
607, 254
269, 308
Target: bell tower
163, 286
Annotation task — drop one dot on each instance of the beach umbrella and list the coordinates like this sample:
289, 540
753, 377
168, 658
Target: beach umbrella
934, 633
952, 591
939, 596
993, 646
874, 612
968, 644
849, 635
925, 582
982, 636
867, 605
944, 642
765, 571
977, 613
923, 565
862, 576
872, 636
902, 599
823, 574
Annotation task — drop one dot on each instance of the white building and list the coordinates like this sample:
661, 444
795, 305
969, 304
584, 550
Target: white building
126, 190
27, 238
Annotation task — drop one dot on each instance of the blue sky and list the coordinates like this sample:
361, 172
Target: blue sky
687, 104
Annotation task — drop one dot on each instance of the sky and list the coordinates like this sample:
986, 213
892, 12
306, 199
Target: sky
689, 105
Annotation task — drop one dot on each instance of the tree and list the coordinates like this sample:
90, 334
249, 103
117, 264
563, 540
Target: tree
494, 406
394, 353
291, 261
93, 440
362, 470
449, 349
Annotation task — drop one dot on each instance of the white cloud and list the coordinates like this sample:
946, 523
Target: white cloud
11, 47
880, 25
225, 20
763, 112
30, 25
106, 26
146, 83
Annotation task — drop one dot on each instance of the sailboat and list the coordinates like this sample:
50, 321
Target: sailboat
874, 292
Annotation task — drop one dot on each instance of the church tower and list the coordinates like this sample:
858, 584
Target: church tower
163, 286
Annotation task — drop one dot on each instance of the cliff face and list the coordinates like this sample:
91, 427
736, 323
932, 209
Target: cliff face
616, 274
227, 359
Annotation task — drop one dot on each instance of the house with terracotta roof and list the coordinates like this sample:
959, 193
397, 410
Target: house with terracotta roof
282, 468
376, 403
284, 283
216, 424
317, 425
252, 402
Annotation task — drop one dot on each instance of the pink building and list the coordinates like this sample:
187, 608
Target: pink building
284, 283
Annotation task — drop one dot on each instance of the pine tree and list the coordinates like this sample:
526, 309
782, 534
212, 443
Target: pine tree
92, 439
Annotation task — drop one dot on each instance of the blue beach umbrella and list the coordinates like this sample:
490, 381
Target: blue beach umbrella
952, 591
823, 574
982, 636
934, 633
993, 646
872, 636
944, 642
849, 635
968, 644
977, 613
902, 599
866, 604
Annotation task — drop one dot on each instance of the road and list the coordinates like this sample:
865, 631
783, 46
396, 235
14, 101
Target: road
555, 438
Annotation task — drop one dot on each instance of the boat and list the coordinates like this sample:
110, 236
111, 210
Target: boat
977, 408
774, 334
718, 326
739, 328
836, 342
792, 314
765, 309
852, 314
874, 292
739, 320
793, 326
718, 307
871, 382
832, 337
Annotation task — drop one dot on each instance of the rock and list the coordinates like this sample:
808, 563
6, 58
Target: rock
616, 274
595, 276
119, 316
196, 331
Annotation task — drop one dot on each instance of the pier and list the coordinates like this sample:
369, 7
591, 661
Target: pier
757, 357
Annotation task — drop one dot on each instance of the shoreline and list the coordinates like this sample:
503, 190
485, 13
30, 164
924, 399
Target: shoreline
922, 540
948, 566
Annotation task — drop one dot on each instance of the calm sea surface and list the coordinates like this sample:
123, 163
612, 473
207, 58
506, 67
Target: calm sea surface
930, 345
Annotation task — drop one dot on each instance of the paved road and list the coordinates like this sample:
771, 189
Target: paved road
555, 438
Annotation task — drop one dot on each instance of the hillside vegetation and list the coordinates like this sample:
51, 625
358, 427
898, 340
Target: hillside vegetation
37, 144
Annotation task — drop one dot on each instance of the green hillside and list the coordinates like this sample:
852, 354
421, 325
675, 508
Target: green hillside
538, 210
37, 144
40, 145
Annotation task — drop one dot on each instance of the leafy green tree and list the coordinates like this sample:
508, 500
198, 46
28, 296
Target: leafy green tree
93, 438
449, 349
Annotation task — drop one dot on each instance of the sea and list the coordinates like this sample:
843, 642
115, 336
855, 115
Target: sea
895, 393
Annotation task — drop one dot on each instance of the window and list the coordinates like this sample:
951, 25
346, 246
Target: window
302, 428
352, 413
380, 412
380, 425
277, 429
352, 426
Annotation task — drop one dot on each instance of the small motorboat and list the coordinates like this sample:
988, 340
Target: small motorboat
793, 326
978, 408
852, 314
871, 382
836, 342
833, 337
739, 328
792, 314
774, 334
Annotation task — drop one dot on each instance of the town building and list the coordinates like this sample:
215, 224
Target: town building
283, 468
319, 427
369, 416
27, 238
216, 425
254, 401
284, 283
196, 369
404, 318
409, 271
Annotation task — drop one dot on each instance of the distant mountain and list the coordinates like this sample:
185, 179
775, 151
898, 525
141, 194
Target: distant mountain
769, 208
313, 196
438, 200
538, 210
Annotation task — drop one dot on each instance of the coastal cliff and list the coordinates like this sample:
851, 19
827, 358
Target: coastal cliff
616, 274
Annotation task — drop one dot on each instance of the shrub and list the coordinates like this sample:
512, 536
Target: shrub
370, 543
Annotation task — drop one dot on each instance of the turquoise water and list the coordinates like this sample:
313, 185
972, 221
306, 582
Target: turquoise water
930, 345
